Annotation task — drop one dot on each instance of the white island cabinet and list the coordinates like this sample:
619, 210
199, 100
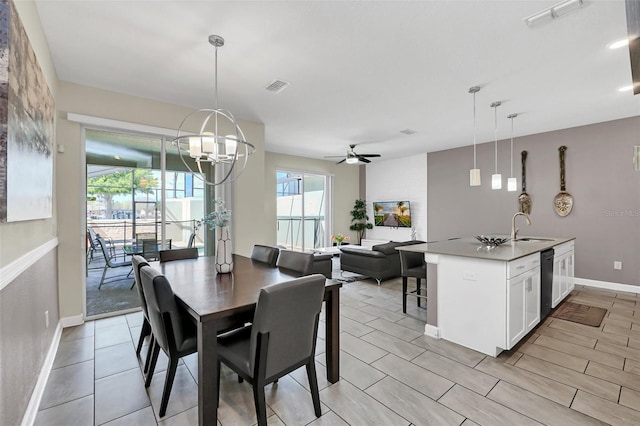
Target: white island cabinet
563, 272
489, 299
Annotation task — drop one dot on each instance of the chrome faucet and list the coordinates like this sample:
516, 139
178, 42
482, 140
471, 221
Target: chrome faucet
514, 230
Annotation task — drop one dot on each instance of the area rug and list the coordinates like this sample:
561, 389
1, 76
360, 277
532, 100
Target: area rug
582, 314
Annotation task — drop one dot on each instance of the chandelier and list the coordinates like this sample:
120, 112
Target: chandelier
219, 149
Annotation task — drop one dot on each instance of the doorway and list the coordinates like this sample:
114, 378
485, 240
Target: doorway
302, 201
130, 200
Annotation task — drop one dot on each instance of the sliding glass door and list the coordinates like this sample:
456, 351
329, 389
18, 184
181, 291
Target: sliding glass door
126, 206
302, 219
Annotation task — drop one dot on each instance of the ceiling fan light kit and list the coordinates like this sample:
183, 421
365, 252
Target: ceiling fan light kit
353, 157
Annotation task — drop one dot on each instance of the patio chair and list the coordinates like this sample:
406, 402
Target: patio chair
109, 262
93, 245
192, 240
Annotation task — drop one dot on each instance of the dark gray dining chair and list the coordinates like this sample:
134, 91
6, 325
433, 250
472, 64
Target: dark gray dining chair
178, 254
413, 265
281, 338
173, 330
295, 261
109, 262
265, 254
139, 262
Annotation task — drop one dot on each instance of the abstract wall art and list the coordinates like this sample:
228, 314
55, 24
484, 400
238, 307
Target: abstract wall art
26, 126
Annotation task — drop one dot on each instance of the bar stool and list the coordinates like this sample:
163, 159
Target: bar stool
412, 265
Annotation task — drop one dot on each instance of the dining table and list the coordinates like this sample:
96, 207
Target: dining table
217, 301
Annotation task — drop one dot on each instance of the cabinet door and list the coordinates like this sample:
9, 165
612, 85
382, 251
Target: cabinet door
516, 327
570, 272
556, 292
532, 299
564, 276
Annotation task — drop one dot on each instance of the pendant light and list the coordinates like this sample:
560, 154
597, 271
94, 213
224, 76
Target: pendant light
474, 174
512, 182
496, 178
219, 158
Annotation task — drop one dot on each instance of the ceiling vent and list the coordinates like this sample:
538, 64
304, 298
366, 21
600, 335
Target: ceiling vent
277, 86
408, 132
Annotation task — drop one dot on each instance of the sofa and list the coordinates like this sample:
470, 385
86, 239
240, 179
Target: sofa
381, 262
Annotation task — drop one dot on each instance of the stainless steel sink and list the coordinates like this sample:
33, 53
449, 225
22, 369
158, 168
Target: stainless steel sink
533, 240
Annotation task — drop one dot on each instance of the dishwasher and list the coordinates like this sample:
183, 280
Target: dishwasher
546, 282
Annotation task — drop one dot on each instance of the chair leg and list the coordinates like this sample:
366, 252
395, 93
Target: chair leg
104, 272
144, 332
147, 361
152, 365
404, 295
418, 290
313, 386
261, 405
168, 383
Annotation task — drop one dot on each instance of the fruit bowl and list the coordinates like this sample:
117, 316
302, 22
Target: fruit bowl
491, 241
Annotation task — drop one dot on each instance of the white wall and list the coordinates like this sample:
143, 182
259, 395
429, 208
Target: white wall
399, 179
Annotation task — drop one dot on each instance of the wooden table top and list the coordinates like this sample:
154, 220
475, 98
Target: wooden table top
209, 295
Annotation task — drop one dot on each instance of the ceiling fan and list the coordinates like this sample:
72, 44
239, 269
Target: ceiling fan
352, 157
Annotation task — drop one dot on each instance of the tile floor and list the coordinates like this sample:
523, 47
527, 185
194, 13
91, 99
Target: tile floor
391, 374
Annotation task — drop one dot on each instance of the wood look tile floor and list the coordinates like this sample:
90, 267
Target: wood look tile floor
563, 373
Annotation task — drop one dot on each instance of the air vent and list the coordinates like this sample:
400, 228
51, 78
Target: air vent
277, 86
408, 132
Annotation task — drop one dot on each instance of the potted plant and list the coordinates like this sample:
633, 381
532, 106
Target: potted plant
360, 219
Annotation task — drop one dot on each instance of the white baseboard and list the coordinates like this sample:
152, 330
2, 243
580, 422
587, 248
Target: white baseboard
72, 321
36, 396
608, 285
431, 331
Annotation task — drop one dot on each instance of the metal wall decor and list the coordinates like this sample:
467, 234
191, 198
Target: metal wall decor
563, 201
524, 200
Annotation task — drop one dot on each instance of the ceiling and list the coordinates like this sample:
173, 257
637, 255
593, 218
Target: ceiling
360, 71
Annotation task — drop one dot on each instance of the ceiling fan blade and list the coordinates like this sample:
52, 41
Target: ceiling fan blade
364, 160
369, 155
342, 161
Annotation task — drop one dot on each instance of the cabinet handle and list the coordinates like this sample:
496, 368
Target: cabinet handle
520, 267
529, 284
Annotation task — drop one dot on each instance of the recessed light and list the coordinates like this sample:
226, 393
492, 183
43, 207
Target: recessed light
625, 88
117, 157
618, 44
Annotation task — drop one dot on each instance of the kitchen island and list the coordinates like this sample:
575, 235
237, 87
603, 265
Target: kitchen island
488, 299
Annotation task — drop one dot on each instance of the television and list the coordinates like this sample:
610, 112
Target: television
396, 214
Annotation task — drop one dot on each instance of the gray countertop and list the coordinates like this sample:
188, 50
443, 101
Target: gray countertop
470, 247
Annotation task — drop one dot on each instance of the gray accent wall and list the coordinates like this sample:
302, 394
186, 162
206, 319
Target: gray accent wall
606, 215
24, 339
